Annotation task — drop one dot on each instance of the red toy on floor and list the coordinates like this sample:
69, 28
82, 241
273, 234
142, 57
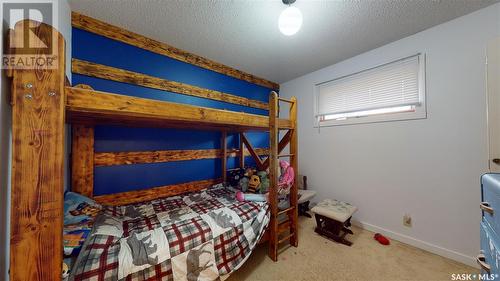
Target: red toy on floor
381, 239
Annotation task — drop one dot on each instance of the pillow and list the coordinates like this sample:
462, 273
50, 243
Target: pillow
79, 214
74, 235
78, 208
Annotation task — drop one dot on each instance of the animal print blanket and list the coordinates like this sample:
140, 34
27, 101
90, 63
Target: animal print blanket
202, 235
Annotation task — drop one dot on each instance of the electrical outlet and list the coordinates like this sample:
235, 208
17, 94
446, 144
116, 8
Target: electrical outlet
407, 220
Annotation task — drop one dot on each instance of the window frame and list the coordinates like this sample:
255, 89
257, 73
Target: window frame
420, 111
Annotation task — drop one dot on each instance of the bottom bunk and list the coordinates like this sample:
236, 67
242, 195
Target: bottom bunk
206, 234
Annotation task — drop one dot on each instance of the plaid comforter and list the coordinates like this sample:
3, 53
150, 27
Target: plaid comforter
202, 235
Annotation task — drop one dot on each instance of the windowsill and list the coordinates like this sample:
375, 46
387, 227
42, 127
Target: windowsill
419, 113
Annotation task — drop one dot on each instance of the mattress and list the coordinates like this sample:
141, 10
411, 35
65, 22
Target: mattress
202, 235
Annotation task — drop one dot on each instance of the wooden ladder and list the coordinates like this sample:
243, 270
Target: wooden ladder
280, 232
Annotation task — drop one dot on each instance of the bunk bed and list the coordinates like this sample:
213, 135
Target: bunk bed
43, 101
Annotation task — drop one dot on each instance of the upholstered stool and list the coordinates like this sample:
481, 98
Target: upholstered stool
333, 219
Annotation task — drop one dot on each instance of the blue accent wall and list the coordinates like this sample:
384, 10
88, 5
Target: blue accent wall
94, 48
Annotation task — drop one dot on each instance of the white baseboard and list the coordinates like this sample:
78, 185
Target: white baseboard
447, 253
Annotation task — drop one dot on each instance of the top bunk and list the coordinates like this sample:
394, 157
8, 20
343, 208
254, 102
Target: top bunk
87, 106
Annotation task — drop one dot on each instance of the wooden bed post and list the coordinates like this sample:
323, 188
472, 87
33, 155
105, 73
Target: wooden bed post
224, 157
273, 175
38, 111
82, 159
242, 152
294, 162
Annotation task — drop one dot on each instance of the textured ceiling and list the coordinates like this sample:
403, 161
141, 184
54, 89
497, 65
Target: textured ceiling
244, 33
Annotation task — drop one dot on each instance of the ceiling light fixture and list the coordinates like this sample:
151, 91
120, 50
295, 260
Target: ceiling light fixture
290, 19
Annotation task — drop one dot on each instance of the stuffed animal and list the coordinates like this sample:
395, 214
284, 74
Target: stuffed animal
249, 172
235, 176
287, 177
264, 182
65, 271
254, 184
243, 184
245, 180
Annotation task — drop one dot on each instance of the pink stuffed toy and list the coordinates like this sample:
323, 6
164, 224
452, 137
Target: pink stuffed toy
287, 177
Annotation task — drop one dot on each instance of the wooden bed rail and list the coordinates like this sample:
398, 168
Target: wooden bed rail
136, 196
38, 109
91, 107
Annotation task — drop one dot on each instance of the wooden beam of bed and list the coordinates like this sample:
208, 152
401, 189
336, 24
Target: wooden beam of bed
273, 177
294, 162
253, 153
135, 78
223, 145
89, 106
117, 33
142, 195
161, 156
38, 100
285, 140
82, 159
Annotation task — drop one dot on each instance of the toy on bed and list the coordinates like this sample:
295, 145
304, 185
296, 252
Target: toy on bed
65, 272
249, 181
254, 181
244, 179
264, 182
240, 196
256, 184
260, 184
235, 176
286, 178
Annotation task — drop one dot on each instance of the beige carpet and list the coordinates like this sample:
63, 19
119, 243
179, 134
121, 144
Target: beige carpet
317, 258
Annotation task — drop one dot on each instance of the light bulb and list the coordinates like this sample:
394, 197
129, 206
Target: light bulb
290, 21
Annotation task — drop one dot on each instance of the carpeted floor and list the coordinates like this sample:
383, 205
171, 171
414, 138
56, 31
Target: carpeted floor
317, 258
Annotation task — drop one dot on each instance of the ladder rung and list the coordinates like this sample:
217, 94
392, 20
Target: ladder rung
286, 238
282, 227
286, 155
285, 100
286, 210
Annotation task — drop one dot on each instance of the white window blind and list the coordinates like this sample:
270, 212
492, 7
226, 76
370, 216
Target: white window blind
390, 85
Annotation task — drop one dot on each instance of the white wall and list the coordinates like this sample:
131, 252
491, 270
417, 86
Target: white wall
428, 168
64, 26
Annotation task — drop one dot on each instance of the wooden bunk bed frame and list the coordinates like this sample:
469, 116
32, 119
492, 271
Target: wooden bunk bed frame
43, 101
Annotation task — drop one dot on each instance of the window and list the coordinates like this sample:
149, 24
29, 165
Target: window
393, 91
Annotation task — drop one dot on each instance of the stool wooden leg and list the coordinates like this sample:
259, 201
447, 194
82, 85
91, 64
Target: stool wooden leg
303, 209
333, 229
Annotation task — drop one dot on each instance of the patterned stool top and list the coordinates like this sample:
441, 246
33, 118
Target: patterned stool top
334, 209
